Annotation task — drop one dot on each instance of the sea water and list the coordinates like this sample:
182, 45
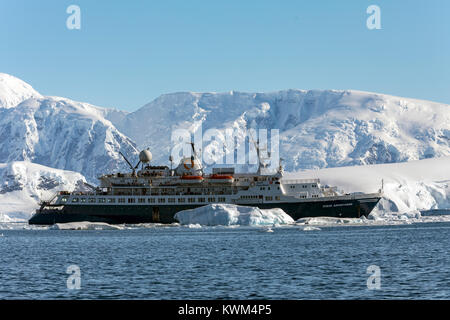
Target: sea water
177, 262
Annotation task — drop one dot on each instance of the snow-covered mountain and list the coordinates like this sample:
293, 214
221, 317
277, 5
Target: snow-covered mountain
62, 134
23, 184
317, 128
13, 91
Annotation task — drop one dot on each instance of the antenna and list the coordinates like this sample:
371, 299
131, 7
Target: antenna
258, 153
193, 148
194, 154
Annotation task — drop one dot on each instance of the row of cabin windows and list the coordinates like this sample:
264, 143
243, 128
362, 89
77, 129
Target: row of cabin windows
249, 197
304, 186
268, 198
91, 200
143, 200
163, 200
303, 196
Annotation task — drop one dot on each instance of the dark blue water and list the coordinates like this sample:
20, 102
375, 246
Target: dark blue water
228, 263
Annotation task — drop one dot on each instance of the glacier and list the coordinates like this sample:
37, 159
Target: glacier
64, 134
24, 184
409, 187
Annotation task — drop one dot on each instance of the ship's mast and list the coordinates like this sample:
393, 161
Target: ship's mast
194, 155
261, 164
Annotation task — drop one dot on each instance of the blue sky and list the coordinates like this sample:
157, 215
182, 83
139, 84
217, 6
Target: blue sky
129, 52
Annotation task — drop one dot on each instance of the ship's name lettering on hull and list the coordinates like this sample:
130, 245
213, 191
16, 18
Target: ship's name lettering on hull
337, 205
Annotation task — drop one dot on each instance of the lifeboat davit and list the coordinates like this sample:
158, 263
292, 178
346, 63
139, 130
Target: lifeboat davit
221, 178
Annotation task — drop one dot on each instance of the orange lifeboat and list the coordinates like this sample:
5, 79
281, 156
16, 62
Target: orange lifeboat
191, 179
221, 178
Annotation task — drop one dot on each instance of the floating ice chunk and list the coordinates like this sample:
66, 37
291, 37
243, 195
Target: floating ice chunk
309, 228
229, 214
85, 225
194, 226
330, 221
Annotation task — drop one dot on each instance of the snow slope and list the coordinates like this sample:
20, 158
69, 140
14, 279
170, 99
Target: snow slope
13, 91
408, 186
318, 129
24, 184
64, 134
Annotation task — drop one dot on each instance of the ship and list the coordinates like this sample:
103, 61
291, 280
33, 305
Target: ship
154, 194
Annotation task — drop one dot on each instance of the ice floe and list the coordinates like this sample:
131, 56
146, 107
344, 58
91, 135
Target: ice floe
85, 225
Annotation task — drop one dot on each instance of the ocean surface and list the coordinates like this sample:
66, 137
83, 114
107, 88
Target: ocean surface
177, 262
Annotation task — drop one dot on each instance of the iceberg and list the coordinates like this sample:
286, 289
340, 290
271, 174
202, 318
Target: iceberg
232, 215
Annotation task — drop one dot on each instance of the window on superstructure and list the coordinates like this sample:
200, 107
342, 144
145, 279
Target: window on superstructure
75, 200
83, 200
161, 200
181, 200
201, 199
211, 199
171, 200
111, 200
269, 198
131, 200
277, 197
92, 200
121, 200
151, 200
64, 199
221, 199
141, 200
102, 200
191, 200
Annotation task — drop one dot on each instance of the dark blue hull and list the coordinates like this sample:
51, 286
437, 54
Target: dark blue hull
132, 214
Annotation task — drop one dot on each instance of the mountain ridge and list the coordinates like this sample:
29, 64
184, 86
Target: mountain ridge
318, 128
